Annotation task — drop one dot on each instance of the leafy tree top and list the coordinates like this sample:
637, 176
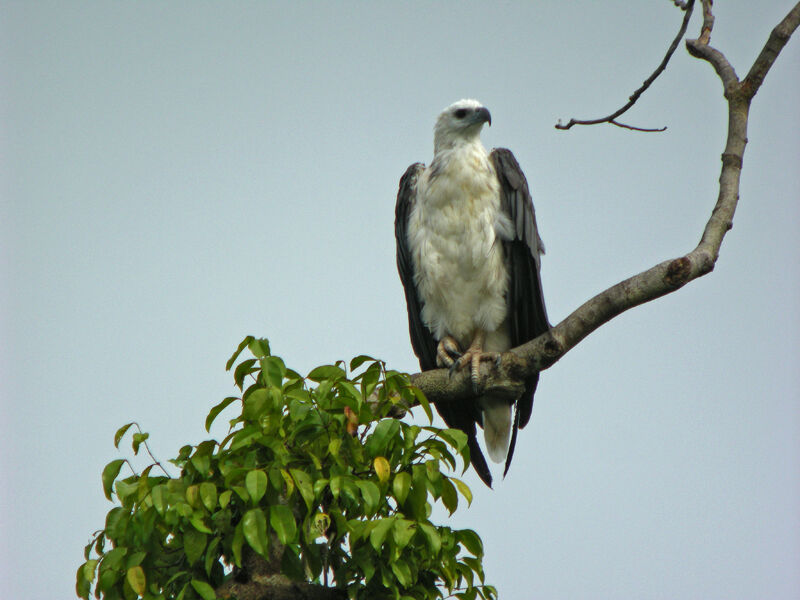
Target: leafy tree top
313, 486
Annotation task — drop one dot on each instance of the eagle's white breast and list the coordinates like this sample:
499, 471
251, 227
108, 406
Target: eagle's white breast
454, 233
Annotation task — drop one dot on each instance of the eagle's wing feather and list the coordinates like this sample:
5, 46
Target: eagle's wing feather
421, 338
527, 317
464, 416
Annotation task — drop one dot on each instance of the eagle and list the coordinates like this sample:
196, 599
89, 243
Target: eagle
468, 255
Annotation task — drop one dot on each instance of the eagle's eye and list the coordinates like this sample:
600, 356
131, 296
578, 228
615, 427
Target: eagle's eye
461, 113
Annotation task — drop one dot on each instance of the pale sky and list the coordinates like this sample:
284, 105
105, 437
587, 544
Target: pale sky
178, 175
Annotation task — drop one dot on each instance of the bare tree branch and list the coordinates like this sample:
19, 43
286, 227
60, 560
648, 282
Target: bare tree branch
647, 82
708, 22
777, 40
664, 278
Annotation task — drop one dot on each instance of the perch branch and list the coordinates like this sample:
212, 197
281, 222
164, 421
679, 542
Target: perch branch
663, 278
612, 118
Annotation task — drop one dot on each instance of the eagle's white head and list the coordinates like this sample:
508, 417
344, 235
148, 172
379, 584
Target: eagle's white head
461, 122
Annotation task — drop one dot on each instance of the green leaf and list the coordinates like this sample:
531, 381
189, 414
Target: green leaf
352, 393
193, 495
243, 369
212, 414
199, 524
138, 438
416, 505
470, 540
208, 494
336, 486
241, 492
136, 579
350, 490
113, 558
369, 379
384, 432
371, 494
245, 342
135, 559
202, 462
334, 446
468, 594
282, 521
432, 537
402, 571
88, 569
455, 437
400, 486
116, 524
225, 498
158, 494
403, 531
360, 360
449, 496
304, 485
194, 542
125, 490
238, 541
205, 590
255, 404
211, 555
110, 473
272, 371
474, 565
280, 477
83, 584
259, 347
464, 489
326, 372
254, 527
120, 432
423, 402
378, 533
256, 484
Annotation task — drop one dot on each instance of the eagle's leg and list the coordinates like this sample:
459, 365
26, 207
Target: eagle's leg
447, 351
473, 357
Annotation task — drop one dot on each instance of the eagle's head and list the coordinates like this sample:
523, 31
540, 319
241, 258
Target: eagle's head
460, 122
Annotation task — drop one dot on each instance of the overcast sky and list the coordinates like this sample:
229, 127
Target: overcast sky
178, 175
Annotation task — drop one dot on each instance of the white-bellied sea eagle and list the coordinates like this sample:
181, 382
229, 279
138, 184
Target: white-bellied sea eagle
468, 254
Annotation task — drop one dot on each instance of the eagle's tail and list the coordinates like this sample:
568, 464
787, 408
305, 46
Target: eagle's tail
496, 427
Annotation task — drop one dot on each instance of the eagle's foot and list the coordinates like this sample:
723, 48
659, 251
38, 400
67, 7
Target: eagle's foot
448, 352
473, 358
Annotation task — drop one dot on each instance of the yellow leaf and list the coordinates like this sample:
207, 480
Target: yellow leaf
136, 580
381, 468
193, 495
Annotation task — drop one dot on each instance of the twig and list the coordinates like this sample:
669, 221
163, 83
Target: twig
647, 82
155, 460
618, 124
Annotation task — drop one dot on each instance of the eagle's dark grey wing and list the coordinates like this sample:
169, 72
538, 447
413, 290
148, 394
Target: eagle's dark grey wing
421, 338
464, 415
527, 317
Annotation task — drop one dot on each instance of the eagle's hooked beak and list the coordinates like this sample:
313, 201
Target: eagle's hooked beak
482, 115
